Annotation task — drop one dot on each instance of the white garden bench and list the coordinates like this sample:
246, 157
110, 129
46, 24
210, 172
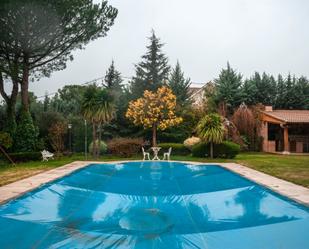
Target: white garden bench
46, 155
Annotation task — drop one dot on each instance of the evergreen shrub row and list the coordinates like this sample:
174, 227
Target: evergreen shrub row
226, 149
177, 148
25, 156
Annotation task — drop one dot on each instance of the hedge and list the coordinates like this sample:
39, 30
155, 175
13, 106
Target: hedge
125, 146
226, 149
25, 156
177, 148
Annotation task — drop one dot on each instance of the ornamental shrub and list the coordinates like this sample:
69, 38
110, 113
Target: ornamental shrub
5, 140
26, 137
177, 148
125, 146
226, 149
200, 150
156, 110
57, 132
103, 147
190, 142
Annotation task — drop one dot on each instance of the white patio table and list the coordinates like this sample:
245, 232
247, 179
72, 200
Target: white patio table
155, 152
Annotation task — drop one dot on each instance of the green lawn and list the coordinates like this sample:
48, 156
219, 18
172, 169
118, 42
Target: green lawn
291, 168
9, 173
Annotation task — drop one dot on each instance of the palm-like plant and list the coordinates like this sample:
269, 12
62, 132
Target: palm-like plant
211, 130
98, 109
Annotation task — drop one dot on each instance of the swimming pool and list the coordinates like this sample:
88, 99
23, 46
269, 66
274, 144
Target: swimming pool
153, 205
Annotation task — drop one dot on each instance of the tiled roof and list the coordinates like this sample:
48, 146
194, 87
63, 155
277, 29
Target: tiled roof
193, 90
290, 116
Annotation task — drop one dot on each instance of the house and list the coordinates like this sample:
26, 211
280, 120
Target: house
285, 131
197, 94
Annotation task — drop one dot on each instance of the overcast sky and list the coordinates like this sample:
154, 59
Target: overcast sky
261, 35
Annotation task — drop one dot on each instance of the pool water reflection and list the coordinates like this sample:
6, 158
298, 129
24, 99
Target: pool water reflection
153, 205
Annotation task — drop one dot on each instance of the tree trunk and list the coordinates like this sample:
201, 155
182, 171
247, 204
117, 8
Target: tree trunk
211, 150
11, 118
94, 138
154, 135
10, 110
25, 86
11, 104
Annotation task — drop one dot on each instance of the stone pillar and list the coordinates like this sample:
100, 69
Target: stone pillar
286, 140
264, 135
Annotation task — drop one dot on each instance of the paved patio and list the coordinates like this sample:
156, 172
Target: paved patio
291, 190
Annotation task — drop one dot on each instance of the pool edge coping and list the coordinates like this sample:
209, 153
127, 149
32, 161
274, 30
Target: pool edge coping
291, 190
298, 193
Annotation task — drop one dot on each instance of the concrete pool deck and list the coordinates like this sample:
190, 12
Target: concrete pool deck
295, 192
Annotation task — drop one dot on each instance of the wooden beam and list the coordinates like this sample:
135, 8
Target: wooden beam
264, 134
271, 119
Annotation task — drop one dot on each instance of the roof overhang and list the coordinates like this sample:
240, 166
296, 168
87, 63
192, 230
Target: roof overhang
272, 119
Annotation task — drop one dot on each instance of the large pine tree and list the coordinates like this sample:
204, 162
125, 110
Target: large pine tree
152, 71
228, 88
179, 85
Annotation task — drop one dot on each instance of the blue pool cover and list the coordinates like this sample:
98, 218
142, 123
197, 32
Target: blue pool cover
154, 205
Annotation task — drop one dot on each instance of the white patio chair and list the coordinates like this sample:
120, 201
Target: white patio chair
145, 154
46, 155
167, 155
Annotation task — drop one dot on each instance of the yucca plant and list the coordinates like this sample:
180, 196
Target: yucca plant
211, 130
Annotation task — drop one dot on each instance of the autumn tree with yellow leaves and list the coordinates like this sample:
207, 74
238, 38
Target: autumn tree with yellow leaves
155, 110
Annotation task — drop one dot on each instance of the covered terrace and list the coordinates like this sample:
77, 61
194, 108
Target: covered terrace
285, 131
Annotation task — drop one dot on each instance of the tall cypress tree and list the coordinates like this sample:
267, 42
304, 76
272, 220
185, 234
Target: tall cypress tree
302, 93
289, 93
266, 89
113, 80
228, 88
46, 102
260, 89
281, 92
179, 85
291, 96
249, 91
152, 71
